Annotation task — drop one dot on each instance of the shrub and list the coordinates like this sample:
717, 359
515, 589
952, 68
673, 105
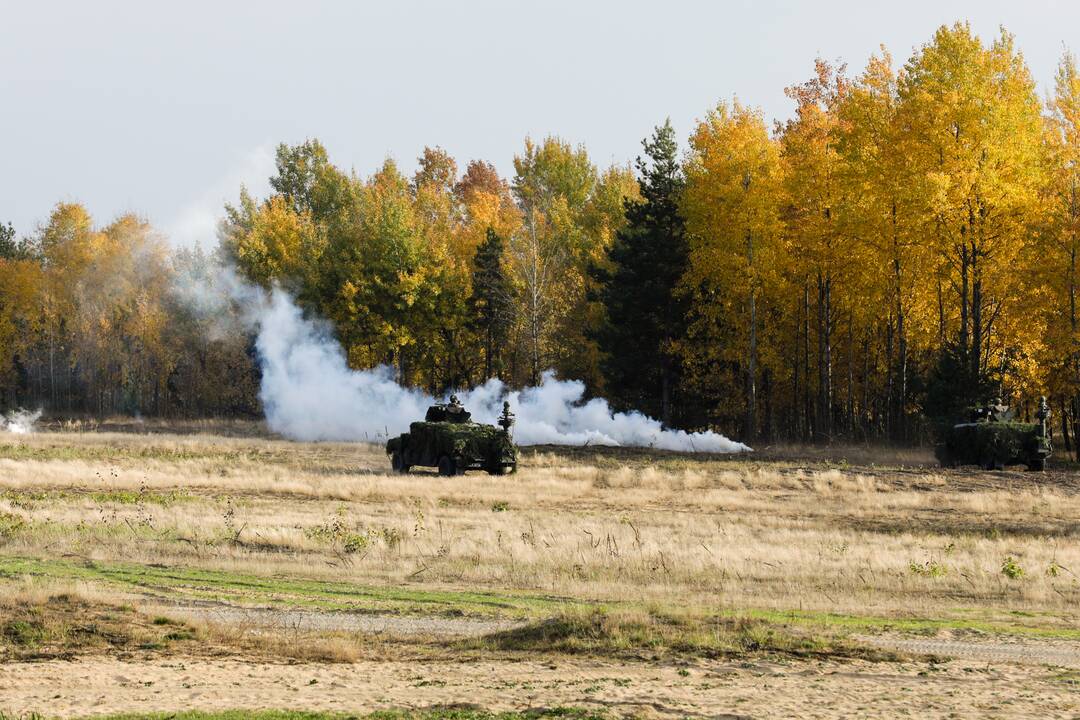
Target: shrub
930, 568
354, 543
1011, 569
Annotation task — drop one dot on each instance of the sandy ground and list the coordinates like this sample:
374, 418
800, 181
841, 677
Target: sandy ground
774, 689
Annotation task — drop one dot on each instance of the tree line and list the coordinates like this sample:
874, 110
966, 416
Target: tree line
903, 246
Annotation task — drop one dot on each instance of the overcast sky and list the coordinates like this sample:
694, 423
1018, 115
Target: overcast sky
165, 108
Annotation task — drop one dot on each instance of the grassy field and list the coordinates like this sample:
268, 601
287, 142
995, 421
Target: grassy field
142, 546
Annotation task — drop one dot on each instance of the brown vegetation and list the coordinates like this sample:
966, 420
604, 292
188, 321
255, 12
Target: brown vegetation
608, 527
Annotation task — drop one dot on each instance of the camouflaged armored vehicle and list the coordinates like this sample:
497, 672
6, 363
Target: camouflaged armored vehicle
992, 439
449, 440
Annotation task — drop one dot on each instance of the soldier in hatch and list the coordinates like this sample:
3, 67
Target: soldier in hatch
455, 411
998, 412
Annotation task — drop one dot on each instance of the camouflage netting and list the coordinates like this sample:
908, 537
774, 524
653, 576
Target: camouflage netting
994, 445
463, 440
467, 445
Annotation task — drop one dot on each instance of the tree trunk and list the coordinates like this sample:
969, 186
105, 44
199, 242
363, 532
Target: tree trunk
824, 410
964, 267
976, 317
1075, 415
941, 314
766, 397
488, 364
890, 373
795, 427
850, 420
52, 370
808, 428
1064, 425
751, 360
864, 408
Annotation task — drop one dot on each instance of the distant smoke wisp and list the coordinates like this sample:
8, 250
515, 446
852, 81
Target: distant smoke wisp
309, 393
19, 422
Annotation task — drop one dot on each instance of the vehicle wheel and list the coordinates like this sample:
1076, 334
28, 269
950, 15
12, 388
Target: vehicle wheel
508, 469
447, 466
397, 462
1037, 465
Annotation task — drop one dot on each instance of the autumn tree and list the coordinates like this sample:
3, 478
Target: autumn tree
732, 204
487, 203
973, 138
570, 214
896, 305
212, 342
282, 239
1056, 251
310, 183
20, 317
552, 185
445, 348
814, 198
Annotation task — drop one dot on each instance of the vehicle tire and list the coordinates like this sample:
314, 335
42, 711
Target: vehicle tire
447, 466
397, 462
1037, 465
508, 469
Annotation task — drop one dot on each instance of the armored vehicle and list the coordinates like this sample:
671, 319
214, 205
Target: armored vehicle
449, 440
992, 439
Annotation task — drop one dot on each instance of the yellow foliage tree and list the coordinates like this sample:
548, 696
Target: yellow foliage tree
972, 136
732, 209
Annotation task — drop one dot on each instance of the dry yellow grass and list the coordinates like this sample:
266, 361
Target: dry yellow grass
724, 534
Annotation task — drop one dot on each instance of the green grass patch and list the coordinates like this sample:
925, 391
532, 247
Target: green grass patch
558, 625
28, 499
135, 497
276, 590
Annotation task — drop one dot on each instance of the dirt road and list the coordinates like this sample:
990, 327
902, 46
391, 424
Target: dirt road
296, 620
1059, 653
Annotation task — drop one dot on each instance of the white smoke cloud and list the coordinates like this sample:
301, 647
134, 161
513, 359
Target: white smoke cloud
309, 393
19, 422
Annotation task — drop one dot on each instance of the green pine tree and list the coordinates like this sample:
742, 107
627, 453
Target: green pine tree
645, 315
10, 248
491, 302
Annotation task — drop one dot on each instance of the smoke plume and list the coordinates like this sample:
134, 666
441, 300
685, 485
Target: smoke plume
19, 422
309, 393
